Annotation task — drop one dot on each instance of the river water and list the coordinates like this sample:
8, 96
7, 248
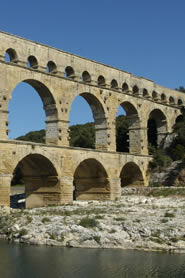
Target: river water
25, 261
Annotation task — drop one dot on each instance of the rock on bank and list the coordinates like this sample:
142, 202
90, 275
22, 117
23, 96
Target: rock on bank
134, 222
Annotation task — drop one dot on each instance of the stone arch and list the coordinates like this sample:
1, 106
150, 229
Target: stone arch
171, 100
114, 84
125, 87
145, 93
163, 98
69, 72
32, 62
49, 106
101, 81
131, 175
40, 178
157, 127
134, 142
86, 77
51, 67
179, 102
154, 95
12, 55
100, 120
91, 181
135, 90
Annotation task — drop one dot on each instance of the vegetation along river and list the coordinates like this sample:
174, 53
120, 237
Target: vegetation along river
18, 261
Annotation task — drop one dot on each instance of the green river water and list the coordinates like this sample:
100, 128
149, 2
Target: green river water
18, 261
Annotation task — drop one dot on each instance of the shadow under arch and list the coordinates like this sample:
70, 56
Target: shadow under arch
157, 128
100, 120
50, 109
40, 178
133, 144
91, 181
131, 175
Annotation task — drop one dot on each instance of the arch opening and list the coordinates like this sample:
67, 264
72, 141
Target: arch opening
154, 95
157, 128
69, 72
179, 102
171, 100
128, 129
51, 67
101, 81
163, 98
125, 87
135, 90
91, 181
86, 77
93, 135
114, 84
145, 93
11, 55
32, 62
40, 180
21, 116
131, 175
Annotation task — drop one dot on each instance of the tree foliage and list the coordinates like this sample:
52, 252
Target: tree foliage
83, 135
37, 136
181, 89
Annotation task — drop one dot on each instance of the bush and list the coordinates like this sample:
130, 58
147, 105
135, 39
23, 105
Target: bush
88, 222
160, 160
45, 220
23, 232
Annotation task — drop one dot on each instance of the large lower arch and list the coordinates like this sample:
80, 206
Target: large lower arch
157, 128
49, 106
133, 143
131, 175
41, 180
91, 181
100, 120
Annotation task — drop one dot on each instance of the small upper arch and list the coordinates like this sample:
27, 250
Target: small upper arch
32, 62
69, 72
11, 55
51, 67
86, 77
180, 102
125, 87
154, 95
163, 98
145, 93
135, 89
171, 100
101, 81
114, 84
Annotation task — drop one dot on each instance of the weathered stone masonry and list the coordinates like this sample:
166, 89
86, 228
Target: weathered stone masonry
53, 171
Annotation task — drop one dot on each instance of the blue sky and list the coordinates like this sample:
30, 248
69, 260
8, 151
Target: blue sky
146, 38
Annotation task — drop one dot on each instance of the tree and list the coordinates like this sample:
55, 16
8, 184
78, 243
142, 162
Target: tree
180, 89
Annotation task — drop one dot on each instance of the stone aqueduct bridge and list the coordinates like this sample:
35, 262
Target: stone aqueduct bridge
51, 171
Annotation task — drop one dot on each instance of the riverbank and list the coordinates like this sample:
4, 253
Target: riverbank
134, 222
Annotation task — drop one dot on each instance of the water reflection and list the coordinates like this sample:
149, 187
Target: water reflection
18, 261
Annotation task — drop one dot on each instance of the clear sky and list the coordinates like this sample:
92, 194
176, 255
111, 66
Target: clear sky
144, 37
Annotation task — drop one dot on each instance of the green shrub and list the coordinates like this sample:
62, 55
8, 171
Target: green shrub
160, 160
88, 222
169, 214
23, 232
45, 220
97, 238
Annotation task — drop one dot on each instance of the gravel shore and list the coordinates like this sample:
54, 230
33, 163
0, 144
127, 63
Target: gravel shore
134, 222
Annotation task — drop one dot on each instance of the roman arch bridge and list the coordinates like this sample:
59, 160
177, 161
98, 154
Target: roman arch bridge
51, 171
